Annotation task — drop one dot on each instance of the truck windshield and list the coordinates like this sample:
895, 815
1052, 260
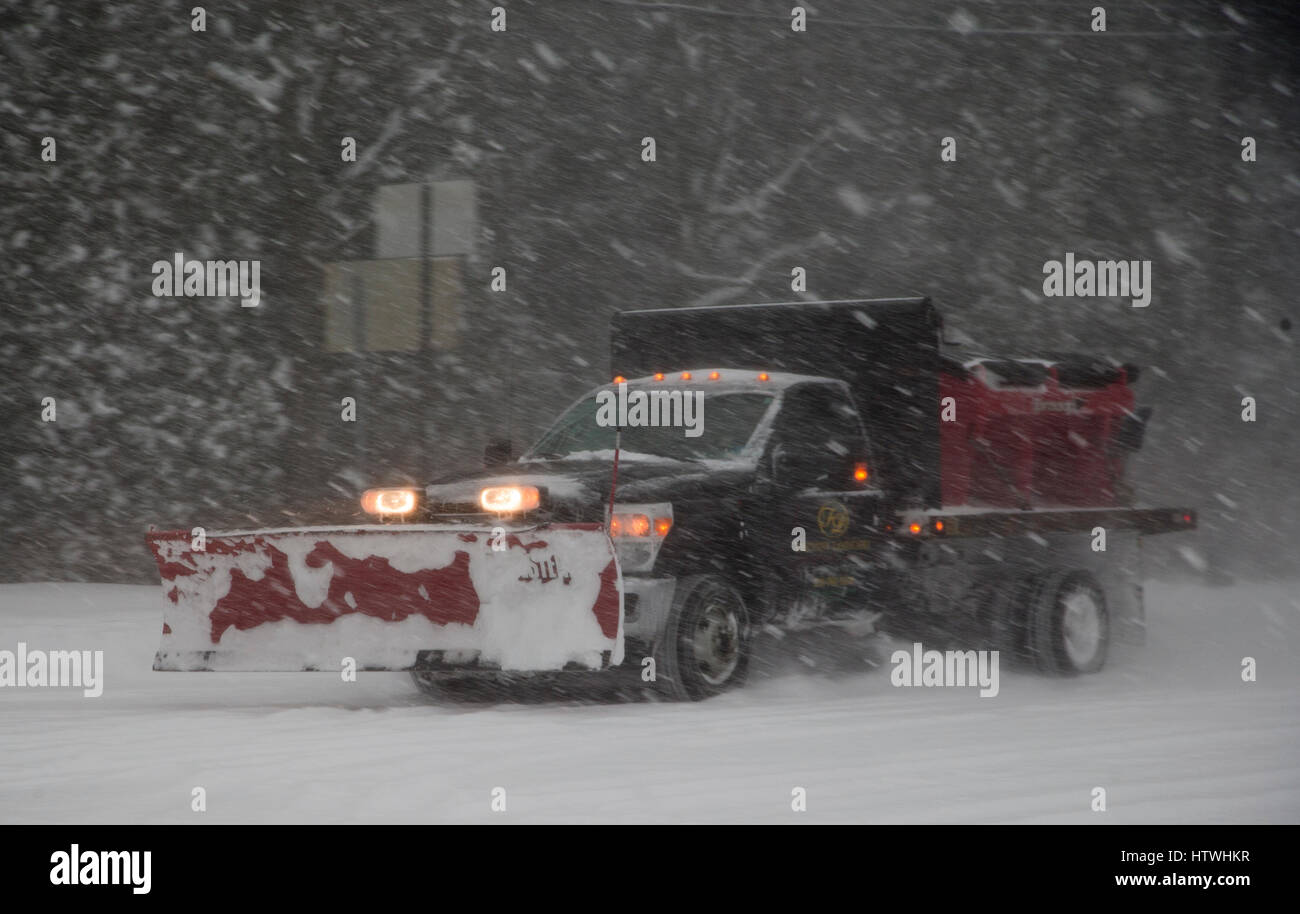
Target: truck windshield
727, 423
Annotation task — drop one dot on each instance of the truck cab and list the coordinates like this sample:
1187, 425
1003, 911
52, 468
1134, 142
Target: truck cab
706, 501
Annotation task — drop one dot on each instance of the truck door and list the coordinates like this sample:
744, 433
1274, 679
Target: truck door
817, 477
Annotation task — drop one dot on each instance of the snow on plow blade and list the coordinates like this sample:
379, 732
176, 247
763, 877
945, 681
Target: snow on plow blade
391, 598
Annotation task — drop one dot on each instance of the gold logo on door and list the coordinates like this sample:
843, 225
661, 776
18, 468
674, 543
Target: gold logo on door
833, 520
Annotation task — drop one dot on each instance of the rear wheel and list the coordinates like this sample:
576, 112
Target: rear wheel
1069, 625
704, 650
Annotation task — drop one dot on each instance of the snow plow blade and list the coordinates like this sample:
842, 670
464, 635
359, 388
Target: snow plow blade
393, 597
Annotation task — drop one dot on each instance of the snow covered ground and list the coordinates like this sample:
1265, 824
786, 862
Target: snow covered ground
1170, 731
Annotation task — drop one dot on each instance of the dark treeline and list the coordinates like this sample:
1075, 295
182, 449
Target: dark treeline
774, 149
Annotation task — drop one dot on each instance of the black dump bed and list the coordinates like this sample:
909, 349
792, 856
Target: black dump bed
886, 349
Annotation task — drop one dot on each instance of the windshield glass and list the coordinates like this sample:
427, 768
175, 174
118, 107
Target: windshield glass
728, 423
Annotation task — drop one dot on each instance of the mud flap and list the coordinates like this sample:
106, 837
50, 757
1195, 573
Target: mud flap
535, 599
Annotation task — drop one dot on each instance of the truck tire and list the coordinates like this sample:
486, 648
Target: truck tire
1068, 624
704, 648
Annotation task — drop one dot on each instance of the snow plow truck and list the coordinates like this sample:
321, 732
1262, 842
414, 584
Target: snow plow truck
771, 467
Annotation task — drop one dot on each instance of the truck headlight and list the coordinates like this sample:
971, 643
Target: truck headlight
509, 499
638, 532
388, 502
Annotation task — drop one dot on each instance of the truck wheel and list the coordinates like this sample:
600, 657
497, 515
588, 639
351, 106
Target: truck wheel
704, 649
1069, 625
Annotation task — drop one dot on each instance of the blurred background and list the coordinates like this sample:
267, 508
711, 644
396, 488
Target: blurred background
522, 149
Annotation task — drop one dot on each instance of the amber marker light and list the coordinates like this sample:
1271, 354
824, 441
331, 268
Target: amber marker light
629, 525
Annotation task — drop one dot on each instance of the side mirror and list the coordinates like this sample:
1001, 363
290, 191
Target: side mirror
498, 451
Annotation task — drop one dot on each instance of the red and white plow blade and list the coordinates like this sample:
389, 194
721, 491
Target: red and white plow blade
304, 599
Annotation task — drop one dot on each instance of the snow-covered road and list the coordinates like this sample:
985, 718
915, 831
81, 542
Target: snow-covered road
1170, 731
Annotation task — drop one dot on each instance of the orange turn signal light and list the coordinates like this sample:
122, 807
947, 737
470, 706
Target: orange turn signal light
639, 525
629, 525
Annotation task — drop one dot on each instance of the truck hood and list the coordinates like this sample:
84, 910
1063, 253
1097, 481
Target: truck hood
578, 489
